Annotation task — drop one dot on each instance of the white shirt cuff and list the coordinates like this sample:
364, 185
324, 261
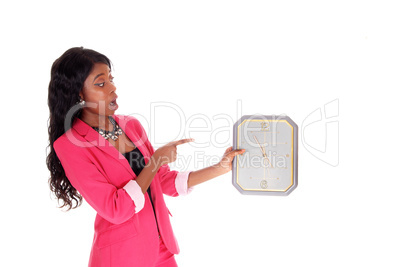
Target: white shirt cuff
135, 192
181, 183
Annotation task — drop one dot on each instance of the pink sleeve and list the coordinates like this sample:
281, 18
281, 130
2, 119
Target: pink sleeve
173, 183
112, 203
135, 192
181, 183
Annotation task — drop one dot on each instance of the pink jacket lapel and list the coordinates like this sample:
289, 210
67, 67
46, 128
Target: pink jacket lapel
94, 138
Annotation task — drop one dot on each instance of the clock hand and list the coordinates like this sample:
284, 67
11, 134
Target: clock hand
259, 144
263, 151
265, 155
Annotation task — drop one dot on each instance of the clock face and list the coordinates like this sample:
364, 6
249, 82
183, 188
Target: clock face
269, 164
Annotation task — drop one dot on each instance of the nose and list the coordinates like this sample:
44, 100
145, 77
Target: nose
112, 87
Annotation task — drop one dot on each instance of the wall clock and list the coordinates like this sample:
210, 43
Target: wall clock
269, 164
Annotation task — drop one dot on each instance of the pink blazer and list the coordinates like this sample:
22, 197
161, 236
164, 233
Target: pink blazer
125, 233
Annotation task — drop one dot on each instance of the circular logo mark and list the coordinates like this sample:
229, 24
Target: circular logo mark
264, 184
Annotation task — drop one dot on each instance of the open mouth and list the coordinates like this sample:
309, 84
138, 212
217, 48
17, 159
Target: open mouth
113, 105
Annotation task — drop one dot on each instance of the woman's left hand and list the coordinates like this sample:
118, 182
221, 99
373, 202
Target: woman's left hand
226, 162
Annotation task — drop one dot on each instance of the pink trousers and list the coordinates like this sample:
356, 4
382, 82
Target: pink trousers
165, 258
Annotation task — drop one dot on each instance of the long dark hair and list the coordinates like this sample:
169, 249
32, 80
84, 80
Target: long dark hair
67, 78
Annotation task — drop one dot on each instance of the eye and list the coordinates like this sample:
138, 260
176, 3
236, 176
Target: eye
111, 79
100, 84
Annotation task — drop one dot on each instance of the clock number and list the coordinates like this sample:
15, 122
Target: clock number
264, 126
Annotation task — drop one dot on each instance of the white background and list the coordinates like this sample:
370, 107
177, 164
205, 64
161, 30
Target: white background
206, 57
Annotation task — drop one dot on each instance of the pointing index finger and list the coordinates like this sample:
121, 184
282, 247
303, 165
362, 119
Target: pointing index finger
183, 141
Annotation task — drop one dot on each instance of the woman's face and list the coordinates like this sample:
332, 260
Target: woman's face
99, 93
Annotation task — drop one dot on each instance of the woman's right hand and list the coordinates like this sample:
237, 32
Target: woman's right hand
168, 153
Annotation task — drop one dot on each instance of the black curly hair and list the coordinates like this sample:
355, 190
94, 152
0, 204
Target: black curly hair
68, 74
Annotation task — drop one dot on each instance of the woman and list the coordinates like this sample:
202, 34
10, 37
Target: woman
108, 160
